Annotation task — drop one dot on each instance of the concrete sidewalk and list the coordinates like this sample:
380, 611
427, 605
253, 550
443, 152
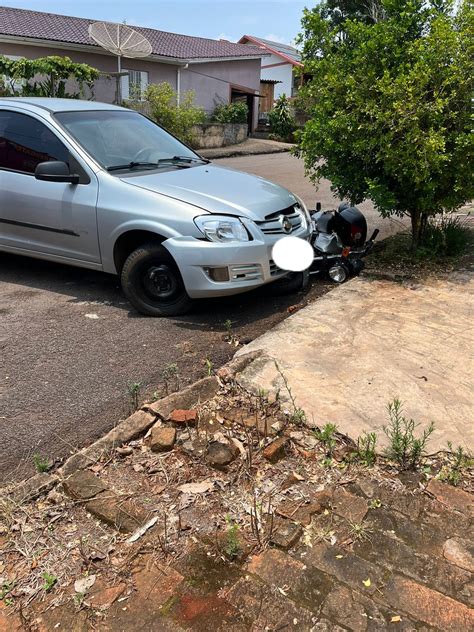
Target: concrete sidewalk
355, 349
250, 147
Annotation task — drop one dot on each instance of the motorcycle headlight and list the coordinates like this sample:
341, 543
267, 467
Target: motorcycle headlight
221, 228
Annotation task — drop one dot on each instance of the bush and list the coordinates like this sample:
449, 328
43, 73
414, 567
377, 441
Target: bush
448, 237
161, 101
231, 113
282, 121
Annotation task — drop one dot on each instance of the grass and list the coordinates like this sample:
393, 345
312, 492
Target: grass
41, 463
406, 449
169, 373
445, 242
359, 531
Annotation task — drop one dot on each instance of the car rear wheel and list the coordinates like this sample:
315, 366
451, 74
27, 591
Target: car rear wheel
152, 282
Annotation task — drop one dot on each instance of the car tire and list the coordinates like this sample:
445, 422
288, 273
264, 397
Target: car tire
153, 284
294, 282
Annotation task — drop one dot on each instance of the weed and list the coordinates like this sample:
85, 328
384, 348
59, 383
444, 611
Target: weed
209, 366
79, 598
41, 463
459, 460
375, 504
298, 416
327, 436
405, 448
232, 544
170, 373
228, 327
49, 581
134, 394
359, 531
5, 589
366, 448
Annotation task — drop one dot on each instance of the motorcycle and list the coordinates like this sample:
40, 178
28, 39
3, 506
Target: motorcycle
339, 242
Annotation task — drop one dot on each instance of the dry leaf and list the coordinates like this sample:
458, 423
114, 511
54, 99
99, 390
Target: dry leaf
83, 584
197, 488
142, 530
396, 618
339, 557
367, 582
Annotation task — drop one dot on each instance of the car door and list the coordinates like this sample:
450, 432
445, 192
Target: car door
55, 219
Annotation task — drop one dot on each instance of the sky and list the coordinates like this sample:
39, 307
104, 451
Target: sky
277, 20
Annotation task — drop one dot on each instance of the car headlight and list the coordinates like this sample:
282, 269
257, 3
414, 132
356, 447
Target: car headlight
304, 210
221, 228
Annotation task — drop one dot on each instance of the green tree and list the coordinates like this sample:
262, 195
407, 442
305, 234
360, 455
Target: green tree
45, 76
390, 107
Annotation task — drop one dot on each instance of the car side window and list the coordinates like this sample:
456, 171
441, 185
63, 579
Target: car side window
25, 142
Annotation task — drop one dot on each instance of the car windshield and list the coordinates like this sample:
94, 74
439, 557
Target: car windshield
120, 140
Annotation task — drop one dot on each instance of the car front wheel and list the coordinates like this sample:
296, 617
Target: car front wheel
152, 282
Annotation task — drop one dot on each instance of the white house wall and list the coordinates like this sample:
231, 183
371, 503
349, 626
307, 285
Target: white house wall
283, 73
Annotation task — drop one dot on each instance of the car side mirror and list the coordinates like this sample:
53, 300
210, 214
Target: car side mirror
55, 171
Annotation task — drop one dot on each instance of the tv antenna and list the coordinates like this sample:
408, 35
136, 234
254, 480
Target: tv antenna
121, 40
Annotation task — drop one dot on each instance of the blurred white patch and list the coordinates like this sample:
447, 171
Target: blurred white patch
292, 254
93, 316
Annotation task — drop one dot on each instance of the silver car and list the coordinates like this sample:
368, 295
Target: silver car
103, 187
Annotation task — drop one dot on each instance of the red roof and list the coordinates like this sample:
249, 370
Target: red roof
70, 30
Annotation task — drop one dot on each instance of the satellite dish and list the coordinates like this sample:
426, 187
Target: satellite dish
121, 40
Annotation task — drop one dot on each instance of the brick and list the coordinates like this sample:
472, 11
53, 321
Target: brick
124, 515
392, 553
162, 439
158, 583
297, 511
429, 606
352, 508
347, 567
275, 450
422, 538
452, 497
304, 584
199, 392
460, 552
83, 485
267, 609
182, 416
359, 613
285, 534
103, 598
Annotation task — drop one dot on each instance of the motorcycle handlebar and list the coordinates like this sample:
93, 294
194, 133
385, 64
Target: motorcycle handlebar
374, 234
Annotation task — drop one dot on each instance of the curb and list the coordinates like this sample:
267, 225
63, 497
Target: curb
135, 425
237, 153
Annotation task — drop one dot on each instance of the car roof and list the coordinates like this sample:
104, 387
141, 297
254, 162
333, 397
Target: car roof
59, 105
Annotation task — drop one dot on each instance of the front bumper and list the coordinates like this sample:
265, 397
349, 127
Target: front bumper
249, 263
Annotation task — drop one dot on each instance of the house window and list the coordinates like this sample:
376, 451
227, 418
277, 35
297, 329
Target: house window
134, 85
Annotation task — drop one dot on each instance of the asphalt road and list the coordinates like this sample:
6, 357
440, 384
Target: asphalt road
70, 344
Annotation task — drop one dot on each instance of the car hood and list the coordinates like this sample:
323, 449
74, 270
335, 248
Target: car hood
218, 190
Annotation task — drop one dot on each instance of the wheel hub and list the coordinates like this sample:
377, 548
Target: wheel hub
160, 281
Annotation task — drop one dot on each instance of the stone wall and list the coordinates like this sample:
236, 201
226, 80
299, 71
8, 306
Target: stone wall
212, 135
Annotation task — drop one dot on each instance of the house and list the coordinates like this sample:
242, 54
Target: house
278, 71
218, 71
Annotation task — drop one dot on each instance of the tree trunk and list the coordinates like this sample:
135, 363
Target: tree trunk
418, 225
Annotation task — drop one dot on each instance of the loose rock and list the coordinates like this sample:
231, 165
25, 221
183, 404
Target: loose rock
220, 454
162, 439
276, 450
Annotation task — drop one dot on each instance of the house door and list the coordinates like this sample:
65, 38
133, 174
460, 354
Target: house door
267, 92
238, 96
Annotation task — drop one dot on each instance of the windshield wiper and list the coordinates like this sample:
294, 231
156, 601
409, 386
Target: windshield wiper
188, 159
131, 165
